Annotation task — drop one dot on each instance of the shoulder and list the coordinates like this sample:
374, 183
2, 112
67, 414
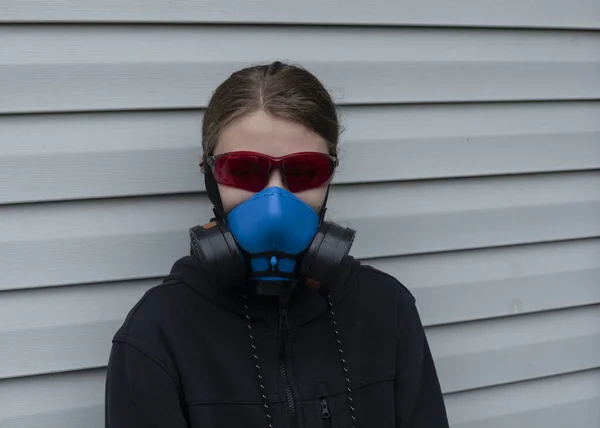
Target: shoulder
152, 322
146, 328
383, 294
380, 284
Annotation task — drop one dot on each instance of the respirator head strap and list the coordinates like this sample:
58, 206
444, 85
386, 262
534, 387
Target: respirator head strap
212, 190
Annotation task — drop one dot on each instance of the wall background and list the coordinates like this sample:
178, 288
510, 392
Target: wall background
471, 169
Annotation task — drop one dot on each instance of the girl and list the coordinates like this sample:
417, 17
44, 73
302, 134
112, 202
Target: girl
269, 322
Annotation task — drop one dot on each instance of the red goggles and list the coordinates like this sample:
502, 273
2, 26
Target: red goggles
251, 171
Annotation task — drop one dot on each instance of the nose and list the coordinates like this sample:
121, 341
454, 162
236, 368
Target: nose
276, 179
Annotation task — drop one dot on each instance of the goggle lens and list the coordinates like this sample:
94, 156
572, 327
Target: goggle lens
251, 171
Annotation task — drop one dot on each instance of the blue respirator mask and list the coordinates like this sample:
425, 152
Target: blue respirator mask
273, 239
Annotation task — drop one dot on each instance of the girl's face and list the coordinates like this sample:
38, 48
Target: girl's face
260, 132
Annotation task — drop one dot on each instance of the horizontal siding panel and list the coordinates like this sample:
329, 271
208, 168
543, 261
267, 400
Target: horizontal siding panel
72, 156
571, 400
493, 352
495, 282
75, 68
69, 400
138, 238
70, 328
415, 234
63, 329
512, 13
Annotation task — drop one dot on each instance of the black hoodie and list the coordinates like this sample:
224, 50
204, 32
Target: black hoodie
192, 354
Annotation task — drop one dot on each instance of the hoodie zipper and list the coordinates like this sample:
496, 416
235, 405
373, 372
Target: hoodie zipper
325, 413
284, 327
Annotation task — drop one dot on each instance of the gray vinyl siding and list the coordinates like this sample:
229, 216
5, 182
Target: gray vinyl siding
477, 13
470, 168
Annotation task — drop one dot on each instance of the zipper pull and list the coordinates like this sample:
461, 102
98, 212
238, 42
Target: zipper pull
283, 319
325, 413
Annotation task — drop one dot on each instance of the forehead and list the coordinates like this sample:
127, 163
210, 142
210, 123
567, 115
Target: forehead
264, 133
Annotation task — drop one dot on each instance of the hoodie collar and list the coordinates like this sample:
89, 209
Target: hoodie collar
305, 303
